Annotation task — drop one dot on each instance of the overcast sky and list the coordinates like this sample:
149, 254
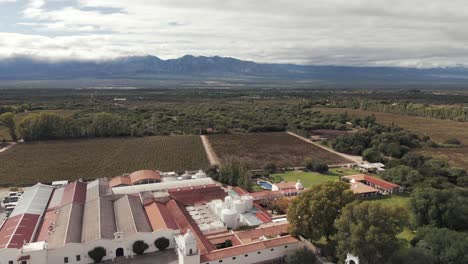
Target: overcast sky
414, 33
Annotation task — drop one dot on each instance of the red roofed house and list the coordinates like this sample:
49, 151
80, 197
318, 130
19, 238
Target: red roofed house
384, 187
288, 188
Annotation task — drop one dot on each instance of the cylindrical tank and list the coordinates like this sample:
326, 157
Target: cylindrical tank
228, 202
230, 218
169, 179
200, 174
239, 206
248, 202
186, 176
219, 208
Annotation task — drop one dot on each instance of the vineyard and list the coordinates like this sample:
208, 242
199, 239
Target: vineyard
46, 161
437, 129
259, 149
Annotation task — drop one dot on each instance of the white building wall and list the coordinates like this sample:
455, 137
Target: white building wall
71, 251
9, 254
265, 255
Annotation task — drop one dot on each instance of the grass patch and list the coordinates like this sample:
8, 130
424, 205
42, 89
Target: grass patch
310, 179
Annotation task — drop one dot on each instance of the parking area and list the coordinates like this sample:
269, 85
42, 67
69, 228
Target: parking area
3, 193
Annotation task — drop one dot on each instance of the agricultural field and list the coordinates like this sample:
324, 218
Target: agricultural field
439, 130
310, 179
259, 149
46, 161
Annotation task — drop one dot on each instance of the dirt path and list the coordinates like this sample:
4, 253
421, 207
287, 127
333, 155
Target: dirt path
354, 159
8, 147
212, 157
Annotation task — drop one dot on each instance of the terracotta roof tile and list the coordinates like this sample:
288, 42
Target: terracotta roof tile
159, 216
184, 222
244, 249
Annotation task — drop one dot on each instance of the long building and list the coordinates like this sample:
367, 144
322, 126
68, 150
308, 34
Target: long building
198, 216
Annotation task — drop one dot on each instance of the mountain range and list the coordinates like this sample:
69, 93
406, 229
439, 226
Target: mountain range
151, 67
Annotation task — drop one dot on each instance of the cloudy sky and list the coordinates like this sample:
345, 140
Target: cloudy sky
414, 33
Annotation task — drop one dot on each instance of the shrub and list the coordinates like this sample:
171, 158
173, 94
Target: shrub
139, 247
316, 166
452, 141
97, 254
161, 243
270, 167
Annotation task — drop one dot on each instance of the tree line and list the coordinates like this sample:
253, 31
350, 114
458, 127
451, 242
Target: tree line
451, 112
170, 120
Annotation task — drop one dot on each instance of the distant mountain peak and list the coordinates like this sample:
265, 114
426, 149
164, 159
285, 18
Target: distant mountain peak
130, 67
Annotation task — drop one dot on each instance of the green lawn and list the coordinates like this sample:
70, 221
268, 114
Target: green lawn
309, 179
399, 200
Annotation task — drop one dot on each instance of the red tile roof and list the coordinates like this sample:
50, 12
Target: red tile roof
244, 249
364, 177
197, 195
380, 182
263, 195
184, 221
43, 231
17, 230
143, 175
120, 181
275, 229
74, 192
159, 216
286, 185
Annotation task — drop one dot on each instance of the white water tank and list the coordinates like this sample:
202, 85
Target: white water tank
230, 218
248, 202
228, 202
186, 176
218, 209
239, 206
200, 174
169, 179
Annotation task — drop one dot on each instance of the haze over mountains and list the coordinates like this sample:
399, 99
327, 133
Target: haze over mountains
151, 67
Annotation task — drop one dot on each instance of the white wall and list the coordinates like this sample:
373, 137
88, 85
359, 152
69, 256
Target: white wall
72, 250
265, 255
8, 254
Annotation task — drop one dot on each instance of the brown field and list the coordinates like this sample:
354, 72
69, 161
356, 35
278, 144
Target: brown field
47, 161
258, 149
439, 130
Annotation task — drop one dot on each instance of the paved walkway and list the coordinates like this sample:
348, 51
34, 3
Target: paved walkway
354, 159
212, 157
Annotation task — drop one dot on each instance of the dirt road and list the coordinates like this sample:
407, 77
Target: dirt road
212, 157
353, 159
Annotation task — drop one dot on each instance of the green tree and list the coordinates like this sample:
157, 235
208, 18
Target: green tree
413, 256
440, 208
372, 155
403, 175
313, 212
162, 243
270, 168
97, 254
139, 247
447, 246
8, 120
302, 256
316, 166
368, 230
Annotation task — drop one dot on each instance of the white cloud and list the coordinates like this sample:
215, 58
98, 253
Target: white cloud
358, 32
